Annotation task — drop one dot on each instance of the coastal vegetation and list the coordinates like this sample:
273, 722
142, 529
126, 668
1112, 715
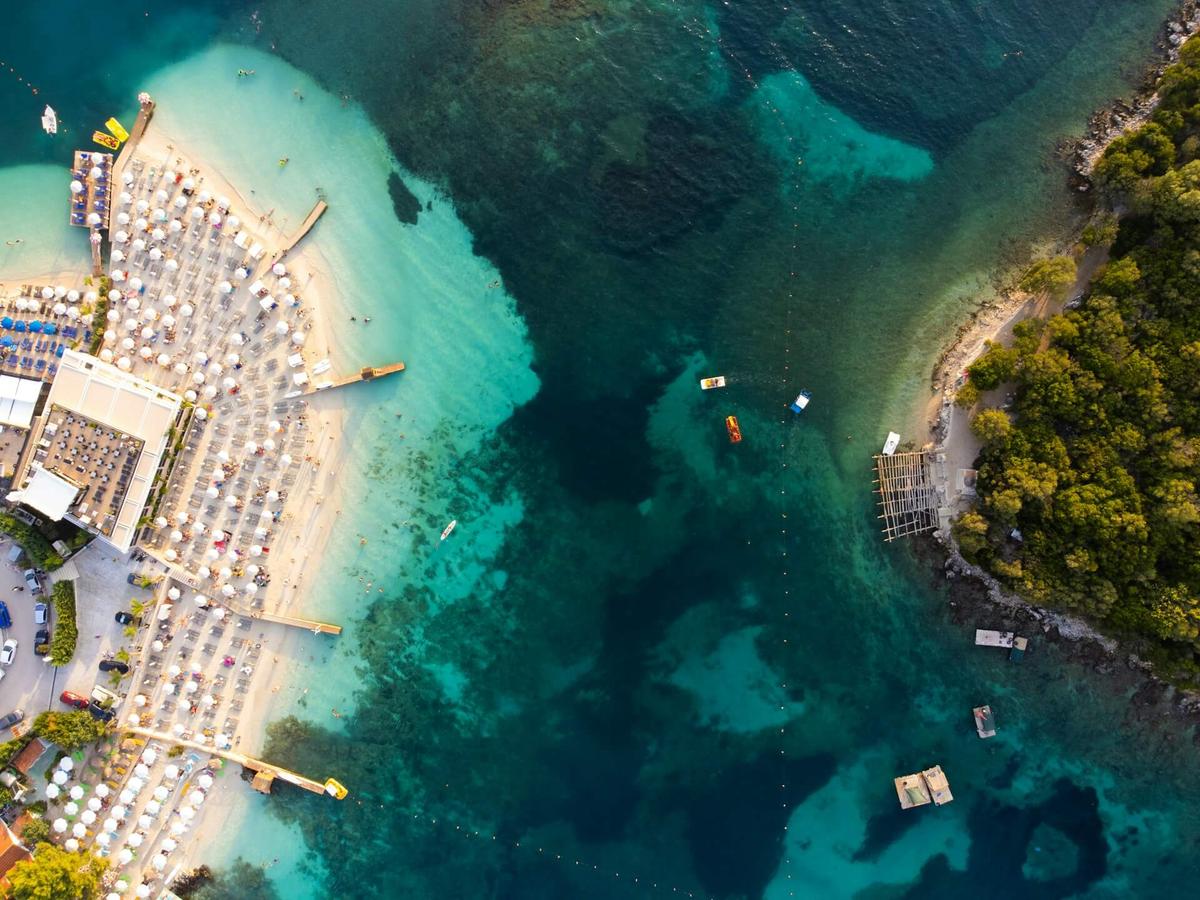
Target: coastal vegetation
66, 631
1088, 483
55, 874
71, 731
35, 544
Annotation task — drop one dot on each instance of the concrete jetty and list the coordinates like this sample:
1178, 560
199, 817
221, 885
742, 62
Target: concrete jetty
305, 227
366, 373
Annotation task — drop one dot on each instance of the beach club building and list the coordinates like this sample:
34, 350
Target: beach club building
94, 451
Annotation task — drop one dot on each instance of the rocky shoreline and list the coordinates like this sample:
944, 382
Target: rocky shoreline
977, 599
1113, 120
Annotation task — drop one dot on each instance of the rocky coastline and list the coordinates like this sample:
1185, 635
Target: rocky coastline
976, 598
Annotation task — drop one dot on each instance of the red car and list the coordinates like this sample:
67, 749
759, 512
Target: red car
72, 699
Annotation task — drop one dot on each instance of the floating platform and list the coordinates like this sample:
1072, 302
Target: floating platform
985, 722
985, 638
924, 787
908, 496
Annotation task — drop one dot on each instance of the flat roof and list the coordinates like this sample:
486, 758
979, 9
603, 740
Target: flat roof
49, 493
126, 405
18, 396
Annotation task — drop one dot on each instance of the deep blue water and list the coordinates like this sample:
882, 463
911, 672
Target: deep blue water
693, 668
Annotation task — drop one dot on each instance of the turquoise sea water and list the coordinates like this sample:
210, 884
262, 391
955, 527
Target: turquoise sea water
648, 663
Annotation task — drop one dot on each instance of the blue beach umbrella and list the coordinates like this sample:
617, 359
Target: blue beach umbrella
50, 328
35, 326
20, 326
6, 322
6, 342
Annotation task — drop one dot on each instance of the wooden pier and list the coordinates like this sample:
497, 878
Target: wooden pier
305, 227
265, 773
296, 622
366, 373
92, 190
908, 494
145, 114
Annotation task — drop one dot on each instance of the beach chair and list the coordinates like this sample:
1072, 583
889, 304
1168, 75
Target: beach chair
52, 370
40, 366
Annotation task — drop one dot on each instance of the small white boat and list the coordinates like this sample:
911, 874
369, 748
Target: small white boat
707, 384
449, 528
49, 121
893, 441
798, 405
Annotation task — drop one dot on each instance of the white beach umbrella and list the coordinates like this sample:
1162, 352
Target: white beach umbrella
233, 222
191, 687
197, 213
209, 392
174, 671
66, 764
169, 299
269, 445
145, 353
298, 338
232, 359
200, 600
139, 244
228, 590
157, 647
197, 797
170, 555
128, 343
52, 791
181, 202
238, 338
223, 202
281, 328
120, 813
155, 254
121, 237
171, 772
255, 550
135, 283
110, 336
149, 756
71, 809
164, 611
134, 784
171, 265
117, 275
71, 845
187, 813
168, 688
198, 377
204, 572
135, 839
142, 891
76, 186
168, 321
180, 368
186, 310
201, 413
159, 215
251, 447
94, 219
103, 790
286, 459
204, 196
226, 287
106, 355
175, 227
122, 220
140, 224
161, 196
163, 360
274, 426
79, 830
284, 284
231, 500
111, 824
215, 368
214, 219
229, 384
190, 396
142, 205
205, 781
279, 268
114, 315
147, 333
60, 777
103, 839
241, 272
124, 364
159, 862
219, 612
89, 815
124, 858
60, 309
94, 804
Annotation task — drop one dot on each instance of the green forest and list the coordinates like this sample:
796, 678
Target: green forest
1087, 480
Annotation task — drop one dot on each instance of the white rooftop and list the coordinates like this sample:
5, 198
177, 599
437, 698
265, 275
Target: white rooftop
18, 396
129, 404
47, 493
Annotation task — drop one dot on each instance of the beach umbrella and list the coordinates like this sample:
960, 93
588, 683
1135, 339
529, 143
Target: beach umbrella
214, 219
131, 324
103, 790
135, 283
147, 332
204, 196
255, 550
298, 338
60, 777
60, 825
251, 588
215, 368
228, 590
94, 219
219, 613
251, 447
205, 781
176, 536
89, 815
71, 808
110, 336
118, 276
145, 352
60, 308
201, 413
281, 328
204, 572
155, 254
171, 265
269, 445
169, 845
286, 283
124, 364
122, 886
168, 688
135, 839
180, 202
142, 205
169, 299
174, 671
140, 224
241, 272
286, 459
128, 343
211, 554
198, 377
76, 187
226, 287
238, 338
94, 804
197, 213
134, 784
191, 687
119, 812
200, 600
222, 740
121, 237
79, 830
103, 839
163, 360
172, 771
161, 196
170, 554
279, 268
231, 500
139, 244
187, 813
160, 861
175, 227
114, 315
142, 891
274, 427
223, 202
111, 824
134, 720
122, 220
197, 797
186, 310
71, 845
139, 700
160, 215
229, 384
125, 857
226, 572
96, 172
106, 355
66, 764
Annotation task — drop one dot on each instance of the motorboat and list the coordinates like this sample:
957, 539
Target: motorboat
707, 384
893, 441
801, 401
985, 722
449, 528
735, 430
49, 120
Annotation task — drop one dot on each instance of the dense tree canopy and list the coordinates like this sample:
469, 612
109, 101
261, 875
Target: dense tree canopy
55, 874
69, 730
1088, 492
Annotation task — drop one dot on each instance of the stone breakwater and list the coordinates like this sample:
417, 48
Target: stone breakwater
1121, 115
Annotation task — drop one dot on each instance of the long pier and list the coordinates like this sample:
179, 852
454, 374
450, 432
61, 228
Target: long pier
366, 373
145, 114
265, 772
305, 227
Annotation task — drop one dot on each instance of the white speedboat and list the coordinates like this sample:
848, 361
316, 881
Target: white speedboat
49, 121
449, 528
707, 384
893, 441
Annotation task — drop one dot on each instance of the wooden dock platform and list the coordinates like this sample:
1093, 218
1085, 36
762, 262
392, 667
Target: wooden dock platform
908, 495
305, 227
265, 772
986, 638
94, 191
366, 373
296, 622
145, 114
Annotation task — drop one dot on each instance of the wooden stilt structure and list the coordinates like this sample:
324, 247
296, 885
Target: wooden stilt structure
908, 496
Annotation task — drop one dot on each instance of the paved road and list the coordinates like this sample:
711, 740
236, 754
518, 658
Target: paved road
30, 681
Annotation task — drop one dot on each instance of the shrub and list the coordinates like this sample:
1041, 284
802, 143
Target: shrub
36, 545
66, 632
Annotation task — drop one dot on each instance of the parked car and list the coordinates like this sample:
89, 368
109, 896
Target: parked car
41, 642
124, 618
99, 712
8, 652
12, 719
35, 583
5, 618
113, 665
73, 699
41, 614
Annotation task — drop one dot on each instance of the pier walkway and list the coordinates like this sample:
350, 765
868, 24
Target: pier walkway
366, 373
305, 228
145, 114
265, 772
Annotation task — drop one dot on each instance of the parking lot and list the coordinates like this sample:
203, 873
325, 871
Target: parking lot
31, 683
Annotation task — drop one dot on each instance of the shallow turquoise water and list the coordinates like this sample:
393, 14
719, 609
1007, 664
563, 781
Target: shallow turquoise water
646, 660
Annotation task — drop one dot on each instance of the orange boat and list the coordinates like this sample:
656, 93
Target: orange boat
735, 431
106, 140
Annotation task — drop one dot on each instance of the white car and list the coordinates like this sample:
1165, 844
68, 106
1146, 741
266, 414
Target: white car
8, 653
